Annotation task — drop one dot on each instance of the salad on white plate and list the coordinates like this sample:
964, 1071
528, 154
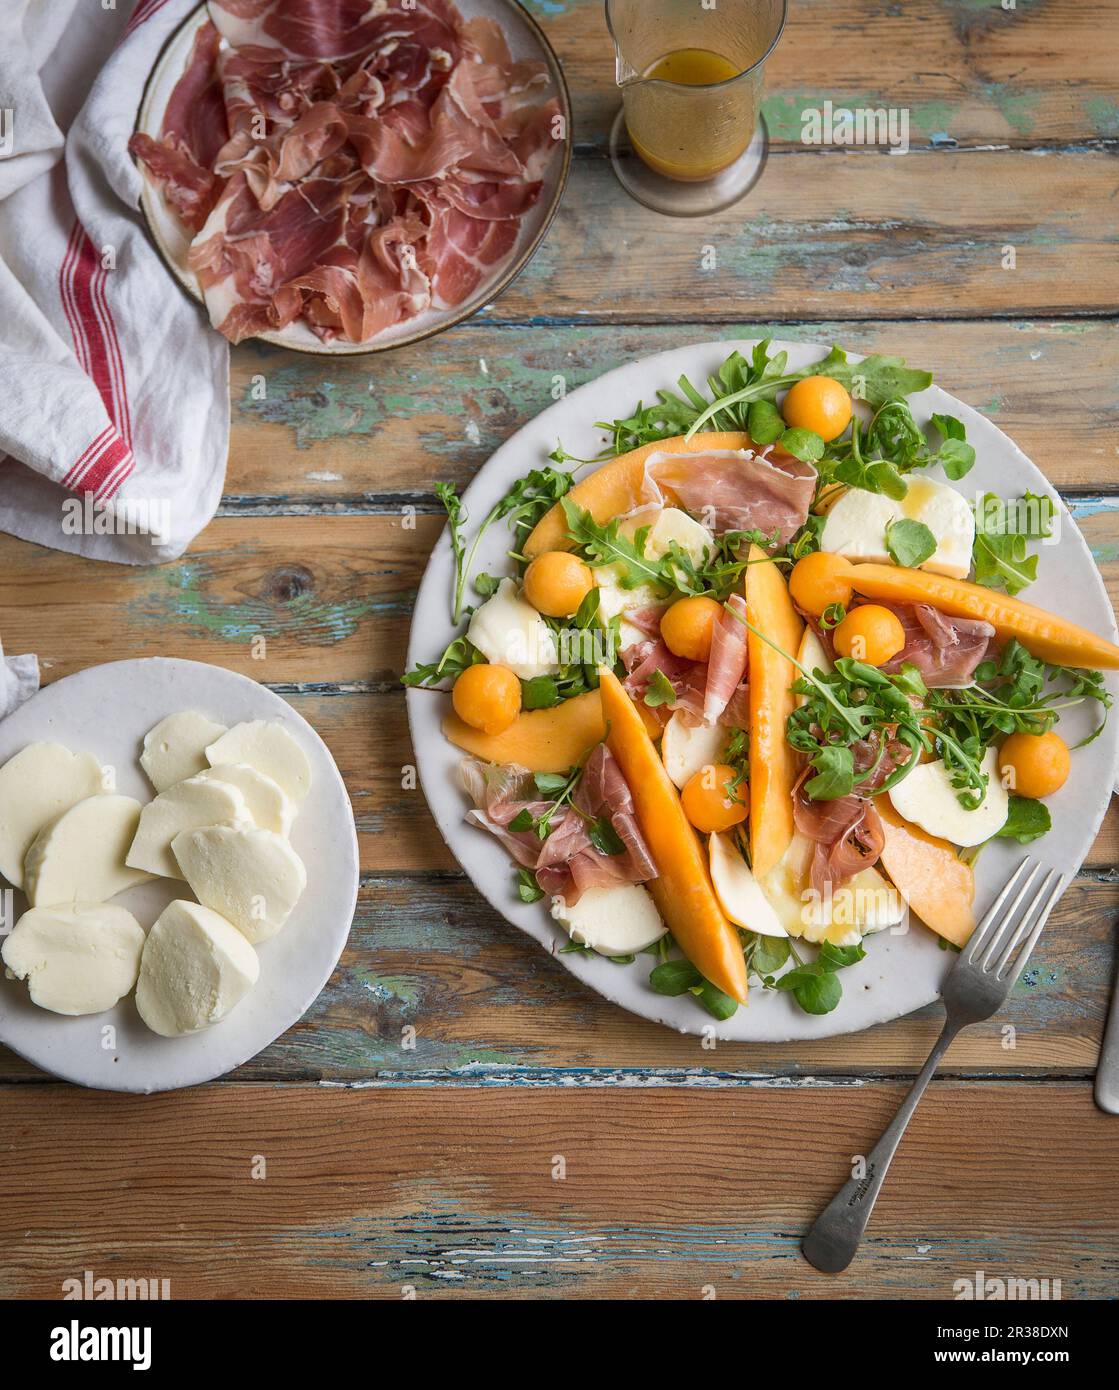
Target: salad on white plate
757, 681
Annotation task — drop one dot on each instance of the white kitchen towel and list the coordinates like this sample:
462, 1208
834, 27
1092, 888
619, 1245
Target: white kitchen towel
19, 680
114, 390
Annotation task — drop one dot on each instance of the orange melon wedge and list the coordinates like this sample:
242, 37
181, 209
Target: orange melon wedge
616, 487
773, 764
929, 874
1043, 634
543, 740
682, 891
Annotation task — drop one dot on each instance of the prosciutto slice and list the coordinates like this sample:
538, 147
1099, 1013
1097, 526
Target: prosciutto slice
846, 832
565, 863
349, 163
736, 489
945, 650
726, 664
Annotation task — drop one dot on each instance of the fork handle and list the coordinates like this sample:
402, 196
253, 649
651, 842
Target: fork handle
834, 1238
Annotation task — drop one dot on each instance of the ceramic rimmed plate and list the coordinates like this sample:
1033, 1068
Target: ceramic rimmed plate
901, 972
526, 41
107, 710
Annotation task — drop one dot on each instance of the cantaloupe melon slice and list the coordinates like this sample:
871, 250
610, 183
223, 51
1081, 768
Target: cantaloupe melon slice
543, 740
682, 891
929, 874
616, 487
773, 764
1043, 634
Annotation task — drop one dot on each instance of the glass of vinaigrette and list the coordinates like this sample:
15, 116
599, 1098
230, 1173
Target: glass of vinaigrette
690, 137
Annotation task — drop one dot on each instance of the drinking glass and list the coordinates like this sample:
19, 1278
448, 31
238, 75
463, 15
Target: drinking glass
690, 137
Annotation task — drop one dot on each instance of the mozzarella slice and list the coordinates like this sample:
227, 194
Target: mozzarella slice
856, 525
949, 517
667, 525
508, 631
614, 600
269, 805
36, 786
612, 921
687, 747
76, 959
195, 969
267, 746
176, 748
80, 857
927, 798
185, 806
252, 877
738, 891
813, 657
866, 903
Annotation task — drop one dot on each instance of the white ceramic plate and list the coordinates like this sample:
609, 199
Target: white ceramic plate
107, 710
525, 39
901, 972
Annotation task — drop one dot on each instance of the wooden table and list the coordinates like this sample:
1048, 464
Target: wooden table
434, 1166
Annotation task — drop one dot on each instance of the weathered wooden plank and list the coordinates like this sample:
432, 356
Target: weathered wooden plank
299, 1192
330, 595
335, 433
852, 235
434, 988
973, 73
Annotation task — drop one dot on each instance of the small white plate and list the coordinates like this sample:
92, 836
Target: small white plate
106, 711
526, 40
901, 973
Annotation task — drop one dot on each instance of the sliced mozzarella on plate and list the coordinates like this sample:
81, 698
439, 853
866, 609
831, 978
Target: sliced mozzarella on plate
269, 805
668, 525
196, 967
856, 525
80, 857
267, 746
688, 747
252, 877
176, 748
36, 786
508, 631
738, 891
77, 959
927, 798
185, 806
612, 921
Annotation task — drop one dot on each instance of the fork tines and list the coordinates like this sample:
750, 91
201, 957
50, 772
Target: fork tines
1006, 925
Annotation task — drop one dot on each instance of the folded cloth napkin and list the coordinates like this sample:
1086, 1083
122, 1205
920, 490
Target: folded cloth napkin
114, 404
19, 680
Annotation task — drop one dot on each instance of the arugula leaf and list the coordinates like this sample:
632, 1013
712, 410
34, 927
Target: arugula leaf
764, 424
660, 691
876, 379
605, 838
717, 1004
1002, 529
605, 545
956, 456
805, 445
909, 542
1027, 820
814, 987
541, 692
769, 954
675, 977
457, 656
528, 890
835, 773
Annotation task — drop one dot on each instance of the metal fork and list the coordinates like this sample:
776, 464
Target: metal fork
977, 987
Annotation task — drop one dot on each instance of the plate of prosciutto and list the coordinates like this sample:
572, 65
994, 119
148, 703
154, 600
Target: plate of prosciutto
341, 179
740, 677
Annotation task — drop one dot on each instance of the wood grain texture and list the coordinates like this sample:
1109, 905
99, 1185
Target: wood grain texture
339, 434
969, 73
435, 988
842, 234
666, 1193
